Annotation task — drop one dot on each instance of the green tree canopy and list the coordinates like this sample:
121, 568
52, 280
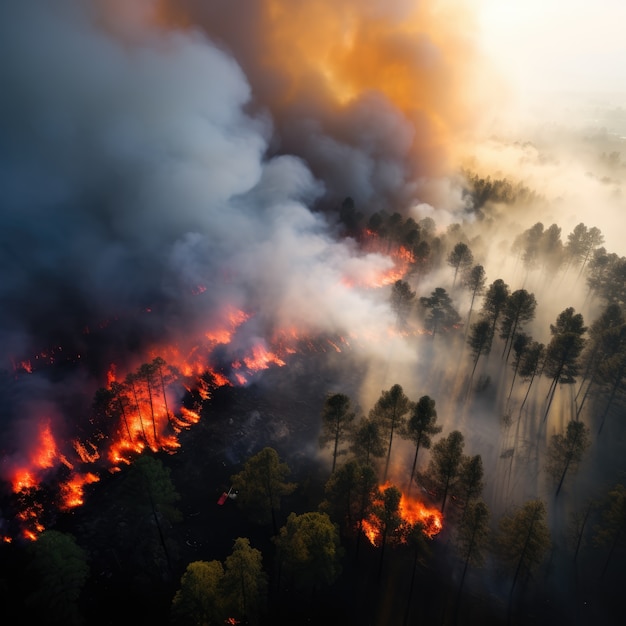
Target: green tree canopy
57, 573
245, 582
309, 549
261, 485
199, 599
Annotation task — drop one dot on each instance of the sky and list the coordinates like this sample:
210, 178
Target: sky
557, 45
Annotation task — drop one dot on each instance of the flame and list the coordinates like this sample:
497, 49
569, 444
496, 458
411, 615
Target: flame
411, 510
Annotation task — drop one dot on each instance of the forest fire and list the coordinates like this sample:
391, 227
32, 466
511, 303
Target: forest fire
411, 511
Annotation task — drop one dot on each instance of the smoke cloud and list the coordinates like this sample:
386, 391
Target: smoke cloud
162, 162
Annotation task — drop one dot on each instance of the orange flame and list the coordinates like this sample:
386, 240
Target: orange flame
412, 511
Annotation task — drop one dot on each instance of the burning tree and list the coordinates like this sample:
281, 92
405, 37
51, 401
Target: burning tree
387, 518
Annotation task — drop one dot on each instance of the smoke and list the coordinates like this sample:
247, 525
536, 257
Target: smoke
162, 162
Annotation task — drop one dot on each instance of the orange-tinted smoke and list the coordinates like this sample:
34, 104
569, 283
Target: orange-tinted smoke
422, 56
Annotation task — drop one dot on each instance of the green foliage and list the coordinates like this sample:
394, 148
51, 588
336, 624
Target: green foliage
199, 599
261, 484
309, 548
245, 582
57, 572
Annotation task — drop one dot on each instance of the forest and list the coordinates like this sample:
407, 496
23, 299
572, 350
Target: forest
483, 484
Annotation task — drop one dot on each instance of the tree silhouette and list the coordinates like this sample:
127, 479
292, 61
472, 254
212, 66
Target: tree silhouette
471, 536
566, 452
420, 427
520, 344
523, 539
519, 309
494, 302
367, 441
562, 353
349, 493
470, 483
460, 257
402, 297
390, 411
612, 528
441, 312
479, 341
474, 280
337, 419
531, 364
445, 464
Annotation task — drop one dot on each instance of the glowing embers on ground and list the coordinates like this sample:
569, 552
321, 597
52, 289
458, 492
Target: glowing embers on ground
411, 510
